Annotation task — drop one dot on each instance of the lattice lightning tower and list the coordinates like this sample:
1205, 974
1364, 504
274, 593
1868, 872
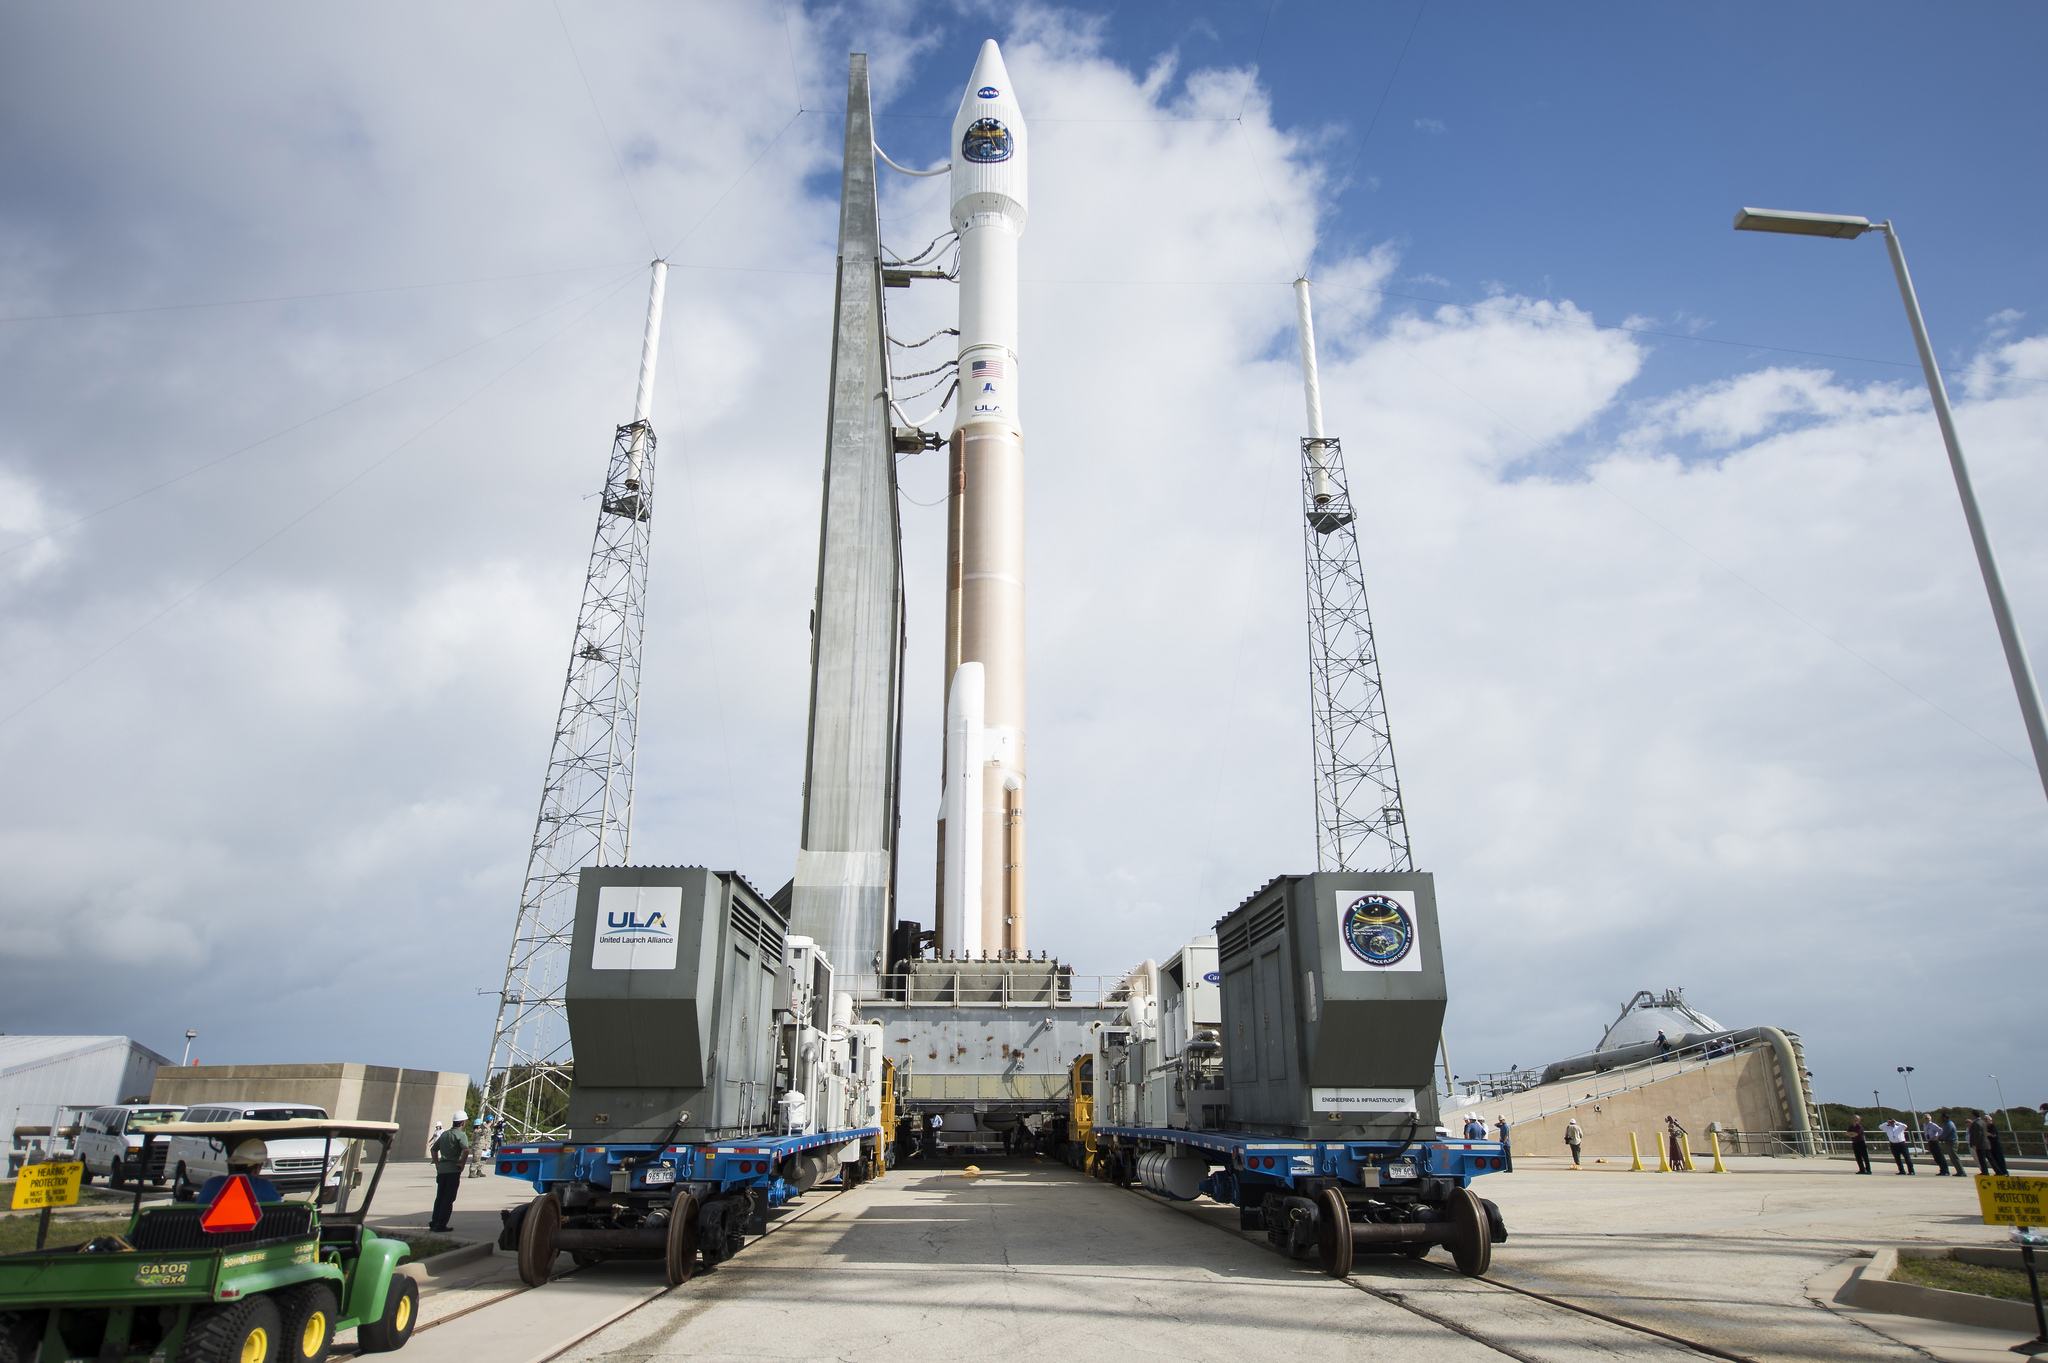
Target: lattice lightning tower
1360, 825
586, 804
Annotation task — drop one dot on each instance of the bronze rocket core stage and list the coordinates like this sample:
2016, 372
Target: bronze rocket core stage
985, 624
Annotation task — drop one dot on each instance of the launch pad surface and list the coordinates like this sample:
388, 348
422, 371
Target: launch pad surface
932, 1264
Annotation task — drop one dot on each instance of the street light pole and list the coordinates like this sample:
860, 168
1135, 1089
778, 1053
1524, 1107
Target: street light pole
2007, 1115
2016, 661
189, 1035
1907, 1070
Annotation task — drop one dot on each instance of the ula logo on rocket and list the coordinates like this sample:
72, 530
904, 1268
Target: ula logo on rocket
988, 92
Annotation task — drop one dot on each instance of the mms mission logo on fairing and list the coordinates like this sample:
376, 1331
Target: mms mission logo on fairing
1378, 929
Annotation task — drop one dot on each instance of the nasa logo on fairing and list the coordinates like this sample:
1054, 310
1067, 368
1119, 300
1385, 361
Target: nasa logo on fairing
1378, 929
989, 92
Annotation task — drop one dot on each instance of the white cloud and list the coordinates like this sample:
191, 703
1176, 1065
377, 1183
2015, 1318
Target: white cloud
1430, 125
1631, 752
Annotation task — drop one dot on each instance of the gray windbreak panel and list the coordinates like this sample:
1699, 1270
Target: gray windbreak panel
845, 868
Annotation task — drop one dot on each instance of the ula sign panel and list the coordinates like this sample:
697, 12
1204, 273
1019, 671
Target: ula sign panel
636, 927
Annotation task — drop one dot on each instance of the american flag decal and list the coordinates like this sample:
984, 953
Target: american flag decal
988, 369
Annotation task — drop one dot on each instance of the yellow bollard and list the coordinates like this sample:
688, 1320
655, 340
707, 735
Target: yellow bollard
1685, 1149
1714, 1138
1663, 1164
1635, 1153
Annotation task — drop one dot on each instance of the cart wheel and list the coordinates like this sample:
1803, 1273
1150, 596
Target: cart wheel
682, 1240
401, 1313
245, 1331
1473, 1249
1333, 1233
308, 1332
537, 1240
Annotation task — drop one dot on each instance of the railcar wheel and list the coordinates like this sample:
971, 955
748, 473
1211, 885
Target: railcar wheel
682, 1240
537, 1240
1473, 1249
1333, 1233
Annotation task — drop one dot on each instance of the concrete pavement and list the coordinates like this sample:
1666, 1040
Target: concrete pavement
928, 1263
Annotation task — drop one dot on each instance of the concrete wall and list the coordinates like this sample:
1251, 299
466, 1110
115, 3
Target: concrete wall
1740, 1091
415, 1099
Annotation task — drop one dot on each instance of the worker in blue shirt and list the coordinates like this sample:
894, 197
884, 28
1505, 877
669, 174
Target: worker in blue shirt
248, 1159
1475, 1130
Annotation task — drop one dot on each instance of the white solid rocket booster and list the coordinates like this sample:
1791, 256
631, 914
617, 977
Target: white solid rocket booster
985, 521
960, 929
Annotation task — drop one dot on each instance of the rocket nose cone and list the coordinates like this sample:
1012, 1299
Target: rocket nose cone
990, 83
989, 68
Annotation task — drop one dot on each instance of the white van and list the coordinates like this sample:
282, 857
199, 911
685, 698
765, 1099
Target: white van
106, 1148
294, 1164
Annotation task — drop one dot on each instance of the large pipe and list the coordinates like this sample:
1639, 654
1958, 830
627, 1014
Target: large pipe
650, 351
985, 606
1312, 391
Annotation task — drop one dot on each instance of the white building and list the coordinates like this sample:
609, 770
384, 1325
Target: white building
41, 1075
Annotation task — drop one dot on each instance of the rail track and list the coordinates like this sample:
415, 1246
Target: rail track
601, 1326
1396, 1298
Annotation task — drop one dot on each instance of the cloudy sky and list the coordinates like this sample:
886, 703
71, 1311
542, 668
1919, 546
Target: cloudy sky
314, 326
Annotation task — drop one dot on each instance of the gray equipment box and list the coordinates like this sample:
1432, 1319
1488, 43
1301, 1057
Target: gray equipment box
671, 1001
1333, 1006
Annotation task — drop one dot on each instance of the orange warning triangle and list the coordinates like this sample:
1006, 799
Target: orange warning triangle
234, 1209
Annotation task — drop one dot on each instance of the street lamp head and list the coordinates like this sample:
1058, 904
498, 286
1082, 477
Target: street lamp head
1801, 224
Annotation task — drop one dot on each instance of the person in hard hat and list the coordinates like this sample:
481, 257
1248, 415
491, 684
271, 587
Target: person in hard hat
450, 1153
246, 1159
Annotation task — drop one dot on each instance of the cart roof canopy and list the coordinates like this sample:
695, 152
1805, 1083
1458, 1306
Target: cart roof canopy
284, 1127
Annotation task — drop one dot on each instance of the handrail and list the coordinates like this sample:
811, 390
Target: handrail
1622, 1078
1022, 985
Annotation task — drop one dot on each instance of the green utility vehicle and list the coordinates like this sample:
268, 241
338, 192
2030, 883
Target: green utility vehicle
172, 1289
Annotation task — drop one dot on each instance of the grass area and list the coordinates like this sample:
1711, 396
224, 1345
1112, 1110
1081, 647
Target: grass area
423, 1246
18, 1232
2008, 1284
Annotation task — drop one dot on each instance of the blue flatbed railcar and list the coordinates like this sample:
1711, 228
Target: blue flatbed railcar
681, 1200
1399, 1196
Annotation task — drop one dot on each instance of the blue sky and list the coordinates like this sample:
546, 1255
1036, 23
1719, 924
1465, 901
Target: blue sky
1598, 152
1688, 665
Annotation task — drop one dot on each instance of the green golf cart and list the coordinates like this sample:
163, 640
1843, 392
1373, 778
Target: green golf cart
275, 1291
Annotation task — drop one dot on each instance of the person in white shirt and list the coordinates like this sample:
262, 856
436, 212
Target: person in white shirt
433, 1136
1896, 1131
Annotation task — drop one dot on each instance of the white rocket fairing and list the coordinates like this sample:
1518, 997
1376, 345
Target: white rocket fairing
985, 522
